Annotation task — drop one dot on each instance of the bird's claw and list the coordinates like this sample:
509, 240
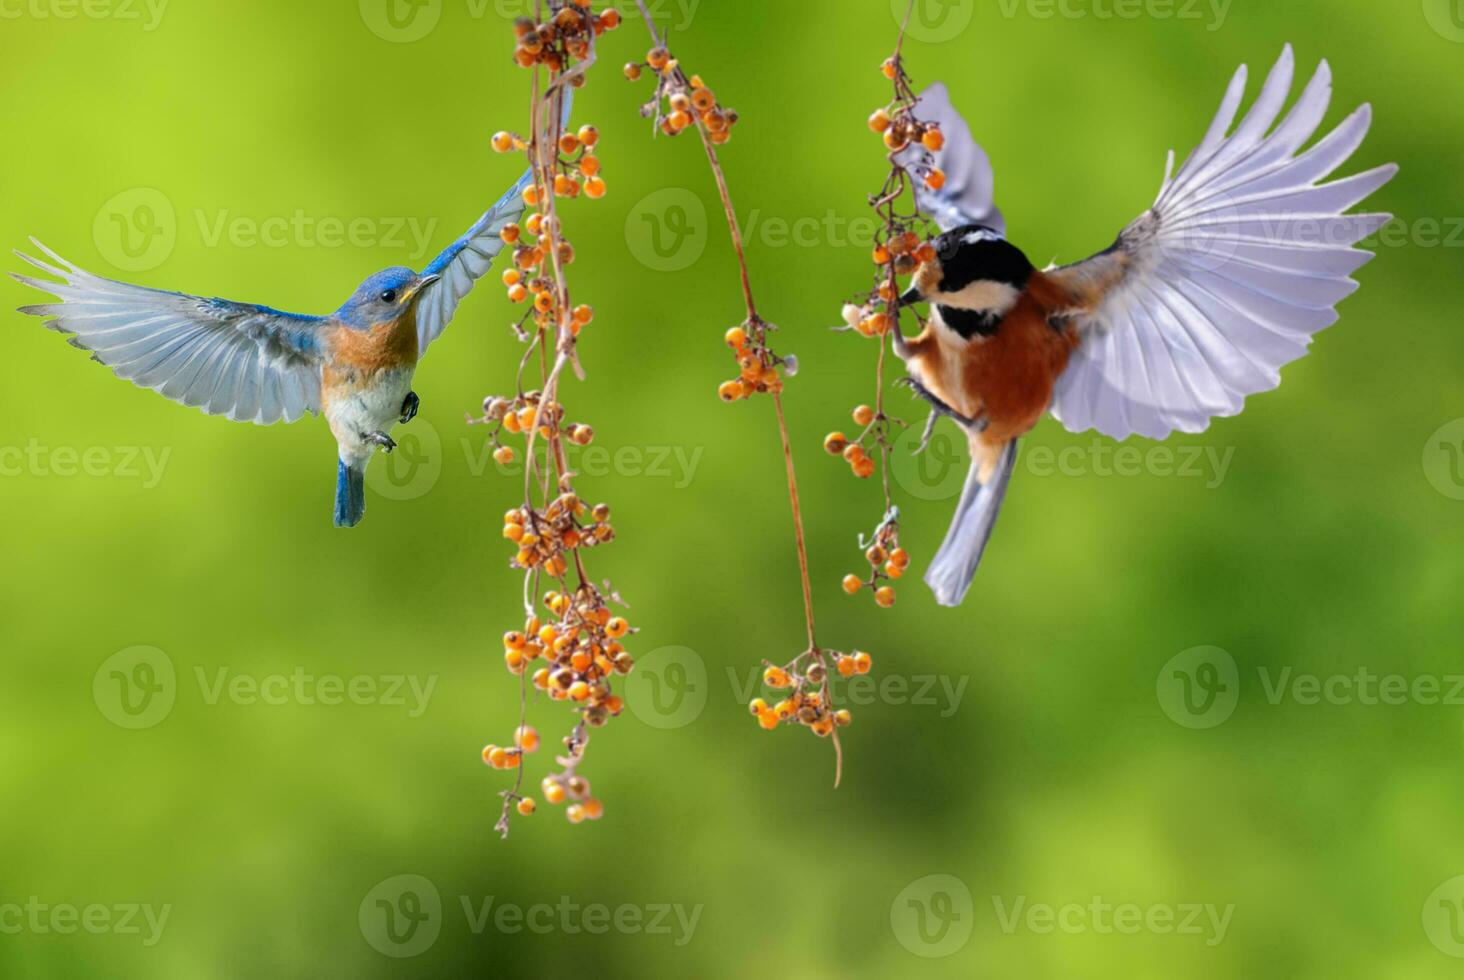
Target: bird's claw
937, 409
383, 440
410, 407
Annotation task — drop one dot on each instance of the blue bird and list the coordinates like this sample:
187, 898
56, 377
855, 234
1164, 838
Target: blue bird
257, 364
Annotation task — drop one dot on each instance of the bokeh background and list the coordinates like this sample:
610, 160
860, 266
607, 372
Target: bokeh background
1151, 700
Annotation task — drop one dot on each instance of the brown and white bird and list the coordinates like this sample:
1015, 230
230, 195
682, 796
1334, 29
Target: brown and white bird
1199, 303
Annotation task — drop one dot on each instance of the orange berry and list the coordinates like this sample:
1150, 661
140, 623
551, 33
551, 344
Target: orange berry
757, 706
658, 58
515, 640
568, 143
936, 179
488, 751
526, 738
589, 135
852, 584
863, 415
526, 807
575, 813
512, 277
846, 667
497, 756
730, 391
853, 453
881, 255
617, 627
594, 809
633, 71
610, 18
823, 727
503, 455
890, 68
836, 443
933, 139
864, 469
511, 233
863, 662
590, 166
679, 120
885, 596
736, 338
776, 677
880, 121
843, 717
595, 188
553, 792
532, 195
900, 557
895, 140
894, 571
503, 142
768, 719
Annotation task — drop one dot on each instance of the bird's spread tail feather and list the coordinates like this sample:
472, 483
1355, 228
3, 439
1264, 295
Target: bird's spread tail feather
955, 565
350, 501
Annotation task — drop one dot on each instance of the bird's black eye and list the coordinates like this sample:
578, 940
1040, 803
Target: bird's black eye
389, 296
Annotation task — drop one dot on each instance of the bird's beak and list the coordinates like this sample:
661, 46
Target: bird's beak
423, 284
911, 296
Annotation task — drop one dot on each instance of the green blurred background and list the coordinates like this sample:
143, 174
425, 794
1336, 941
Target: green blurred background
1034, 749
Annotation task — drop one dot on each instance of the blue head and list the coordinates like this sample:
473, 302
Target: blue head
384, 298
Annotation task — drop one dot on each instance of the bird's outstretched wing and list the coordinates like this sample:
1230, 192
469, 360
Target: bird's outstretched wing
251, 363
968, 196
1241, 260
470, 257
465, 262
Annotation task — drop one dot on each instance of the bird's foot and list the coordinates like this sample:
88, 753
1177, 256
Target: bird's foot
410, 407
381, 439
939, 408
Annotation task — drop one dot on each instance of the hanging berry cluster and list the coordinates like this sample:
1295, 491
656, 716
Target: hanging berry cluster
804, 695
570, 648
683, 102
899, 249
